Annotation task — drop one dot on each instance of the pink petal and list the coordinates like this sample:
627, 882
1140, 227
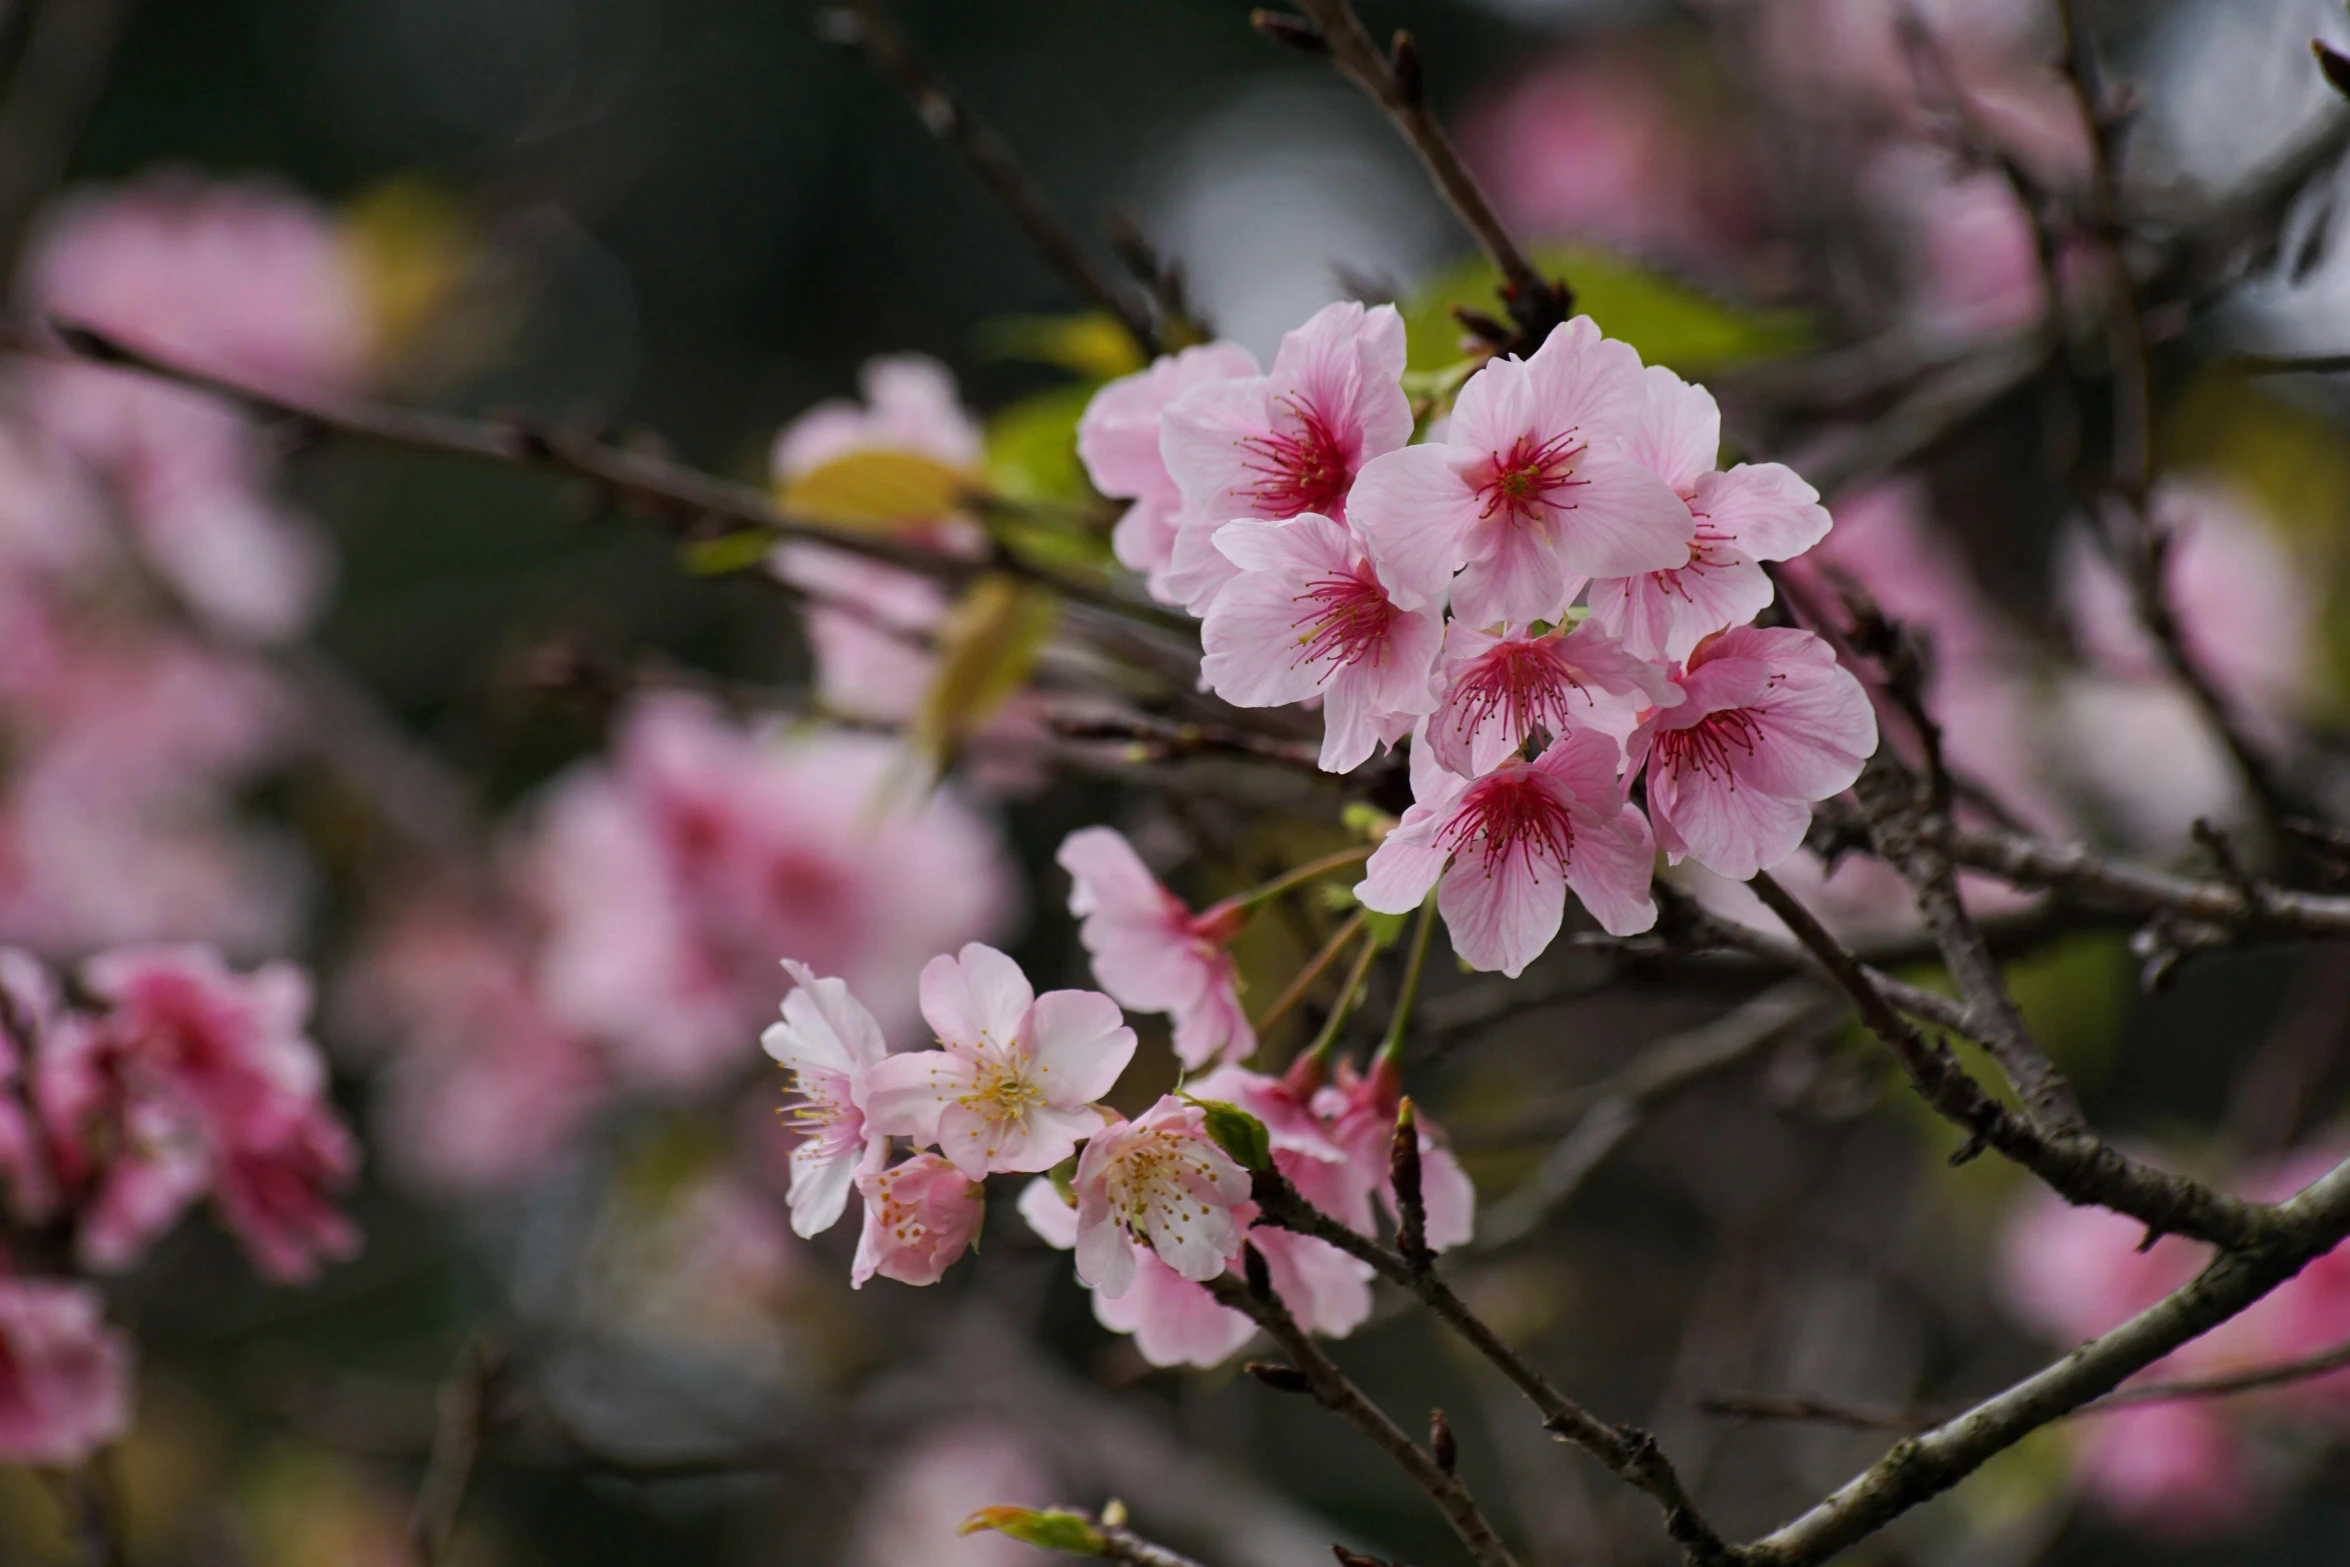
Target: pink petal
1620, 520
1612, 869
978, 995
1766, 507
1503, 917
1677, 431
1080, 1043
1414, 513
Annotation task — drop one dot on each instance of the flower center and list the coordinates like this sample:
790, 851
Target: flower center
1526, 481
1346, 620
1148, 1180
1299, 469
1511, 814
824, 1113
1523, 681
1712, 744
1003, 1093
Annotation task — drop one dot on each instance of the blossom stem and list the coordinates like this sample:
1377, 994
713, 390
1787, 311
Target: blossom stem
1343, 1007
1291, 879
1313, 971
1391, 1049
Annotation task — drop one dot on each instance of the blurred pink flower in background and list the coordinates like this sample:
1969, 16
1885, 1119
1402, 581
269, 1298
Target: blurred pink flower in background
1969, 257
670, 876
910, 404
246, 279
1592, 144
479, 1086
65, 1376
1118, 441
937, 1479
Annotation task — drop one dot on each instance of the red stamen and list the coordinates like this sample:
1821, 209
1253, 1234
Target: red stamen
1525, 680
1511, 814
1348, 622
1706, 745
1302, 470
1524, 483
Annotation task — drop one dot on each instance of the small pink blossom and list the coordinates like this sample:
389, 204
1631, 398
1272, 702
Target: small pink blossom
1173, 1321
670, 876
1328, 1291
1361, 1112
1284, 444
910, 405
1308, 616
1014, 1089
830, 1043
65, 1376
1508, 846
276, 1195
1118, 441
919, 1217
1529, 489
1499, 692
1753, 513
1157, 1183
1151, 953
1770, 723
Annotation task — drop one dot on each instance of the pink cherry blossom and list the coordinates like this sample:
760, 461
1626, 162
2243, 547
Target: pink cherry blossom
65, 1376
911, 405
1508, 846
937, 1475
275, 1194
1361, 1112
1151, 953
830, 1043
669, 877
1529, 489
1118, 441
1327, 1290
1157, 1183
919, 1217
479, 1087
1014, 1089
30, 994
1307, 616
1173, 1321
1283, 444
1771, 723
1753, 513
1501, 691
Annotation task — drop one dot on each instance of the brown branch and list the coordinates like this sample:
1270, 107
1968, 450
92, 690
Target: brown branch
2082, 873
1333, 1390
683, 500
2078, 1167
467, 1407
1628, 1452
1159, 740
1394, 82
868, 25
1922, 1467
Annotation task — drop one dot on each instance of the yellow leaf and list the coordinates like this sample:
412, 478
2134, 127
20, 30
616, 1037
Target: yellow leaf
1093, 344
412, 244
728, 553
879, 490
986, 650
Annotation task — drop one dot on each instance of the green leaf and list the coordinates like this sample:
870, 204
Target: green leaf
879, 490
987, 648
1032, 447
1670, 322
1238, 1133
727, 553
1050, 1528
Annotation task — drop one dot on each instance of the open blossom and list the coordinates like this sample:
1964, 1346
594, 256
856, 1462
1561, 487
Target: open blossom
1118, 441
919, 1217
1753, 513
1283, 444
65, 1376
1529, 489
1508, 846
1157, 1183
195, 1079
669, 877
1501, 691
1153, 954
1308, 616
1770, 723
1014, 1089
830, 1043
1174, 1322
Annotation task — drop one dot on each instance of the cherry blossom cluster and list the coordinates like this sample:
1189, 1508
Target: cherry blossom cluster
183, 1080
1152, 1207
1550, 593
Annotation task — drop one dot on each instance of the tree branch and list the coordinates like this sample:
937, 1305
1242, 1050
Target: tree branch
55, 86
868, 25
1335, 1392
1393, 81
2082, 873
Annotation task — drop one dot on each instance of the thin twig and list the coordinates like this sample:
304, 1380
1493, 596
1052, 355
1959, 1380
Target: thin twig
466, 1403
68, 45
1315, 968
868, 25
2082, 873
1393, 80
683, 500
1335, 1392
